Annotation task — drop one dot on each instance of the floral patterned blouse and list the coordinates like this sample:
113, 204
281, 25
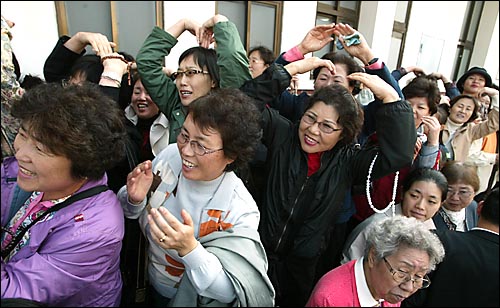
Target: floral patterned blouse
11, 90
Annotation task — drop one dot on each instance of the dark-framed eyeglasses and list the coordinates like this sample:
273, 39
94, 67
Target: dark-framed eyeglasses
198, 149
189, 73
325, 127
402, 277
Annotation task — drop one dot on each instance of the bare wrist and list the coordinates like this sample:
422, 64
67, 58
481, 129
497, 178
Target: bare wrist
133, 202
302, 50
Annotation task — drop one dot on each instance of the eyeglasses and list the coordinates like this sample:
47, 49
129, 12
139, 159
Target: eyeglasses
188, 73
463, 194
402, 277
323, 126
197, 148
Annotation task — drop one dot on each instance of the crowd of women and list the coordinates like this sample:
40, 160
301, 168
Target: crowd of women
218, 184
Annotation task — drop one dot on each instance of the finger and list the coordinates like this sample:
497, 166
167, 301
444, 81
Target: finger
158, 236
161, 222
187, 218
172, 222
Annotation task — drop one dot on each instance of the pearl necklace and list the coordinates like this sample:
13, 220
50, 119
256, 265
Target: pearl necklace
394, 190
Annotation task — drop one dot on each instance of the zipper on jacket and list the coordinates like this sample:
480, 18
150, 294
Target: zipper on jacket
290, 216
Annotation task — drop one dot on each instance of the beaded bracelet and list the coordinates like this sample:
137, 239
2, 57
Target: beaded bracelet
113, 57
129, 64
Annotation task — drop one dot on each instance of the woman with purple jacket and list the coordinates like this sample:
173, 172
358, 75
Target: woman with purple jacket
62, 229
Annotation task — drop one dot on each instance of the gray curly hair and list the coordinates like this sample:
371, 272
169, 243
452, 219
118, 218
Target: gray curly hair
388, 235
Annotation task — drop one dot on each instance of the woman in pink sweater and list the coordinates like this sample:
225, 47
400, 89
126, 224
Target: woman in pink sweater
399, 253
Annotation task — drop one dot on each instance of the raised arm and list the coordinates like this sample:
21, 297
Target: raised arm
395, 127
231, 55
156, 47
317, 38
69, 49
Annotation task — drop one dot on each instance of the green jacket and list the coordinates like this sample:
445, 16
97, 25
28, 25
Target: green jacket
231, 59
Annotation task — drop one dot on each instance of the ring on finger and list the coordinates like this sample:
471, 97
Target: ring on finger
163, 238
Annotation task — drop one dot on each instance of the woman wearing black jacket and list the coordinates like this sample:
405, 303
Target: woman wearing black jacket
312, 163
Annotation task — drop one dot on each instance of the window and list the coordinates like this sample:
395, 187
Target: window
400, 27
338, 12
115, 19
467, 38
258, 22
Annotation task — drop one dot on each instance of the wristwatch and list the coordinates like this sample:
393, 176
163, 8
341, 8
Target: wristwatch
374, 60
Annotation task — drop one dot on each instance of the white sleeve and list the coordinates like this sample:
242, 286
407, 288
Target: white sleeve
207, 276
477, 157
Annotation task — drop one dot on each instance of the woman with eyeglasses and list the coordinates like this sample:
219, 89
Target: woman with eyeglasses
201, 69
459, 210
311, 165
200, 220
400, 252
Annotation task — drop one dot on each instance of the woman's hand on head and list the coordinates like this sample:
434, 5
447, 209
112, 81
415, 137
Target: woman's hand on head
99, 42
206, 34
308, 64
381, 89
489, 91
114, 62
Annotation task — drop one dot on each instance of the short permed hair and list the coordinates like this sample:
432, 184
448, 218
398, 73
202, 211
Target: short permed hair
424, 86
458, 172
266, 54
349, 110
235, 116
78, 122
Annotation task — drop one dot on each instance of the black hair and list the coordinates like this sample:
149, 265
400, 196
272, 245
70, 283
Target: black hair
427, 175
205, 58
424, 86
266, 54
349, 62
490, 207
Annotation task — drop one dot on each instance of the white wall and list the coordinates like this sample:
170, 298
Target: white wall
376, 22
485, 52
295, 29
438, 20
35, 33
176, 10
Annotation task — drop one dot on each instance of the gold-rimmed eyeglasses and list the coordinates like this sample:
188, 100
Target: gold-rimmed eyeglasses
197, 148
402, 277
